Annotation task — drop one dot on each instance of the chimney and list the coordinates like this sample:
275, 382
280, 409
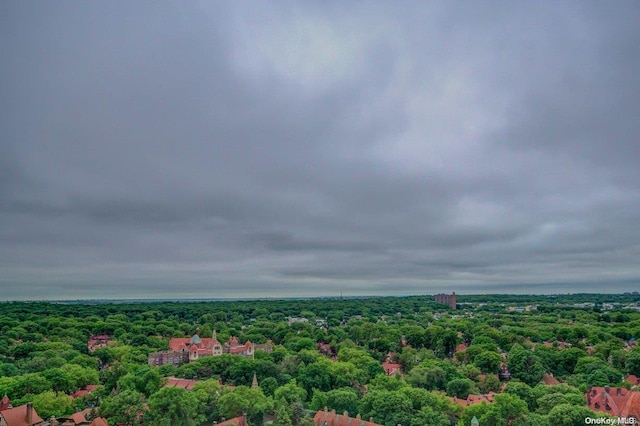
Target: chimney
618, 391
29, 413
358, 416
326, 409
346, 414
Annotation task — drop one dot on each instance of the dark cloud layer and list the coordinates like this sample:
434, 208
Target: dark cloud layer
291, 149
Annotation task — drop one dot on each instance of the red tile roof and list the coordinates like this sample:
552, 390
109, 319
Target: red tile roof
180, 343
474, 399
79, 417
99, 421
614, 401
462, 347
84, 392
236, 421
174, 382
391, 368
18, 416
330, 418
549, 380
96, 342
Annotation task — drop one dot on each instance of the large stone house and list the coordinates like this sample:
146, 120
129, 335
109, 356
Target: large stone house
618, 402
330, 418
188, 349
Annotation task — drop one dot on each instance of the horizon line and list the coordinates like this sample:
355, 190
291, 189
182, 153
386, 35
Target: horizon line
275, 298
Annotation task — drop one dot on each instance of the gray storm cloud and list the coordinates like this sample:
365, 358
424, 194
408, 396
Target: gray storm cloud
292, 149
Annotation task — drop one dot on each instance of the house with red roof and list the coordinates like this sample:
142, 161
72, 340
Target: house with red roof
327, 350
80, 419
475, 399
84, 391
174, 382
461, 347
549, 380
97, 342
618, 402
236, 421
330, 418
391, 368
235, 348
188, 349
24, 415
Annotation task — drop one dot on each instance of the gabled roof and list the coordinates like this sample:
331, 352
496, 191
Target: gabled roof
236, 421
18, 416
174, 382
84, 392
99, 421
462, 347
614, 401
181, 343
239, 348
391, 367
549, 380
5, 403
330, 418
474, 399
79, 417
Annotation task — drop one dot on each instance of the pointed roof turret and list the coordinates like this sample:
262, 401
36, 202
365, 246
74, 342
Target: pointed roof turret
474, 421
5, 403
195, 339
254, 382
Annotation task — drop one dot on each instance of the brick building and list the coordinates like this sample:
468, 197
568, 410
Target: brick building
447, 299
187, 349
330, 418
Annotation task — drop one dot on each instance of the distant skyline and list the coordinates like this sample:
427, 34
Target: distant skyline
277, 149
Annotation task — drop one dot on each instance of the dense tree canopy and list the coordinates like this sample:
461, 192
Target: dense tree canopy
443, 353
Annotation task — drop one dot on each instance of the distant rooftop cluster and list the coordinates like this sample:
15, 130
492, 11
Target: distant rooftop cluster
26, 415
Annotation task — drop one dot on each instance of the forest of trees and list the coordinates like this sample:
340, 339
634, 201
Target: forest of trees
44, 359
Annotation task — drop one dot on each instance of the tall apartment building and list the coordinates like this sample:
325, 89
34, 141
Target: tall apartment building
447, 299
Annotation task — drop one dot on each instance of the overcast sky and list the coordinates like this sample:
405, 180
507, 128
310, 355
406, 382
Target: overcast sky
286, 148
